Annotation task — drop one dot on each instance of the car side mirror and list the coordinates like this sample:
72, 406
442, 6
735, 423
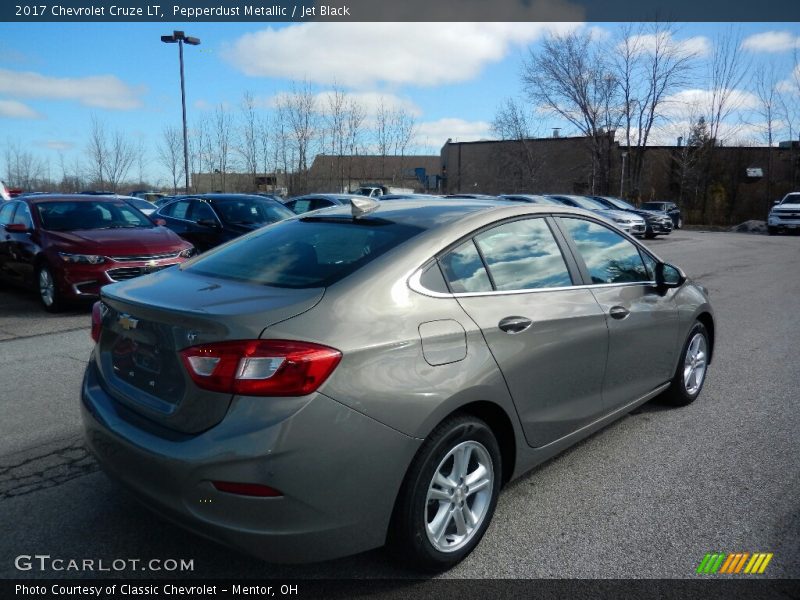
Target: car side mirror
210, 223
776, 202
17, 228
669, 276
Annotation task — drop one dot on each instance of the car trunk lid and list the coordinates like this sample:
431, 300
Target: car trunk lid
149, 320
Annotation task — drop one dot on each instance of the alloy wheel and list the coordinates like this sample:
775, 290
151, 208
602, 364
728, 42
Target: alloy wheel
459, 496
694, 365
47, 287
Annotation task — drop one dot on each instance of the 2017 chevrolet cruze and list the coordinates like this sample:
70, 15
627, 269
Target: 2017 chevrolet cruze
375, 373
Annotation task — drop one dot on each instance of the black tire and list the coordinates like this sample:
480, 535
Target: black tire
772, 230
679, 223
677, 393
52, 302
408, 536
650, 236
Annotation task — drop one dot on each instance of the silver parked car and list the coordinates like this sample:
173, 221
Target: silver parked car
375, 373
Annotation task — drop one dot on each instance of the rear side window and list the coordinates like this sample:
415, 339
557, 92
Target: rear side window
6, 212
304, 253
523, 255
179, 210
609, 257
464, 270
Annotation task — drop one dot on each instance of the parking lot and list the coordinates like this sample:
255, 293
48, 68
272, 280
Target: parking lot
646, 497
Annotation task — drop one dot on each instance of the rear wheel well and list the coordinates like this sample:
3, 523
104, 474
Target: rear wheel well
708, 322
498, 421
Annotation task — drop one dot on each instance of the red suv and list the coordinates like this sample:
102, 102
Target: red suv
69, 246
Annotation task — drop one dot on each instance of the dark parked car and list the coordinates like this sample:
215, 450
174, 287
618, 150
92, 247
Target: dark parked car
69, 246
376, 373
309, 202
669, 208
208, 220
657, 223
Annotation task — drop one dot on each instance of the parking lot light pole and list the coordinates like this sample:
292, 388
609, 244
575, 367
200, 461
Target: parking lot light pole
179, 38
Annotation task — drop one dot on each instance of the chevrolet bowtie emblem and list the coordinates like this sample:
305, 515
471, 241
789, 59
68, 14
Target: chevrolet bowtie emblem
127, 322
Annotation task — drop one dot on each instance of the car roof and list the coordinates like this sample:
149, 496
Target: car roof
56, 197
431, 215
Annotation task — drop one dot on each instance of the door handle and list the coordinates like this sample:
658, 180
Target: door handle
619, 312
512, 325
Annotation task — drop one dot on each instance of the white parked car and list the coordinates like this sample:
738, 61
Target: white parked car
785, 215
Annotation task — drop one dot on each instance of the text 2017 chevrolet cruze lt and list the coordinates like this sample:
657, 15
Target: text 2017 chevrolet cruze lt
374, 374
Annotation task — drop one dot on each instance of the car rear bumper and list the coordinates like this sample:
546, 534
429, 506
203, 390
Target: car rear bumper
339, 472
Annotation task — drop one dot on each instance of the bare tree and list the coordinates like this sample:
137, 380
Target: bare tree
522, 164
335, 116
765, 84
170, 152
24, 169
571, 77
727, 70
249, 147
300, 110
97, 151
356, 115
404, 126
649, 66
111, 155
121, 155
200, 156
222, 138
383, 133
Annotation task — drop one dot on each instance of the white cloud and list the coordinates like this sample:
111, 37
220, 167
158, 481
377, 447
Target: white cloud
731, 134
365, 55
436, 133
771, 41
99, 91
648, 42
699, 101
58, 145
792, 84
17, 110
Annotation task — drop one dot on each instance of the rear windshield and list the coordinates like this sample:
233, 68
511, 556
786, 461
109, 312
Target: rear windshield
653, 206
66, 215
304, 253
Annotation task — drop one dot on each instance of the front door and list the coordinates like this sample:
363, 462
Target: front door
549, 338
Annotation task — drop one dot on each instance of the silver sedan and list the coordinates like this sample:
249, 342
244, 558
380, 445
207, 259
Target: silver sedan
375, 373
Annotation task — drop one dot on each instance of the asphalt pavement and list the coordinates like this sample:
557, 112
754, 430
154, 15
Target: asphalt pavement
646, 497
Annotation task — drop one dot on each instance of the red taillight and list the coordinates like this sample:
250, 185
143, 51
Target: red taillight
246, 489
97, 321
260, 367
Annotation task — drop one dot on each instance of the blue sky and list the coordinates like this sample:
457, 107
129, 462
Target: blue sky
55, 76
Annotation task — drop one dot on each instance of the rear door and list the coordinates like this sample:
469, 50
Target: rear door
548, 337
642, 320
206, 227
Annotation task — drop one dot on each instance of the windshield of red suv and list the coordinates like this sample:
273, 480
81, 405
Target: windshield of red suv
66, 215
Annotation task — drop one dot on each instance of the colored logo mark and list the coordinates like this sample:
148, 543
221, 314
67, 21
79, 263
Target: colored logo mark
735, 562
